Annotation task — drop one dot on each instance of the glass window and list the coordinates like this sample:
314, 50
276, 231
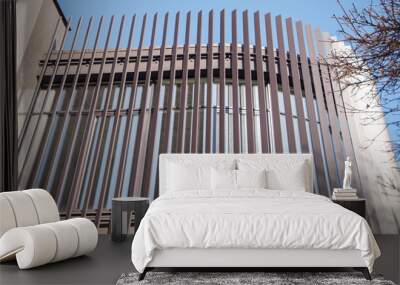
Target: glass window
297, 134
243, 119
285, 142
127, 96
305, 108
293, 105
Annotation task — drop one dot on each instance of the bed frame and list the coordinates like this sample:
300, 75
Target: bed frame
242, 259
246, 259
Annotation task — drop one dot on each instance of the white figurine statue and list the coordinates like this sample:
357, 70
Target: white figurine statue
347, 174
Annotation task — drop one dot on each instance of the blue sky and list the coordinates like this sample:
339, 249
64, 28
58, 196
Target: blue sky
315, 12
318, 13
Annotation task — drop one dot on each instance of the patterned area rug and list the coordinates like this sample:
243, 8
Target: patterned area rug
243, 278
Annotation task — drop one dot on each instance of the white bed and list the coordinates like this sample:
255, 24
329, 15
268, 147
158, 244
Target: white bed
200, 223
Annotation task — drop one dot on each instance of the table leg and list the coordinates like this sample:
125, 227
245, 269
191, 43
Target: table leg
116, 222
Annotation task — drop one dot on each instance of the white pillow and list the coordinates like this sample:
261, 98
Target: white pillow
283, 174
181, 177
291, 177
251, 178
223, 179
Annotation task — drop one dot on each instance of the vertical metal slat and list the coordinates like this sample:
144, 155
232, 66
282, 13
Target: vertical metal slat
329, 152
264, 126
88, 132
144, 119
50, 85
344, 124
273, 86
248, 84
101, 140
154, 115
209, 81
46, 142
68, 155
222, 83
114, 133
285, 87
165, 138
128, 127
294, 65
326, 82
196, 97
235, 85
183, 94
316, 146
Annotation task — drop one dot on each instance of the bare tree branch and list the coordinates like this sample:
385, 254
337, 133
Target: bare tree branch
372, 64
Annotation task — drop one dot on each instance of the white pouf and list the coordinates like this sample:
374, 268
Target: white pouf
31, 232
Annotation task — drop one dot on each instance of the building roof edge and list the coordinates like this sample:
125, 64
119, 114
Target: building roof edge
60, 11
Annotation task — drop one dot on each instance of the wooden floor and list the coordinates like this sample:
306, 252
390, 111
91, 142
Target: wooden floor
110, 260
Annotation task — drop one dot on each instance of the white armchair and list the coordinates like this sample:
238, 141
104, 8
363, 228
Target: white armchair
31, 230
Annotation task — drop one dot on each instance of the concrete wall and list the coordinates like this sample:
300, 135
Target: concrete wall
27, 13
36, 21
380, 178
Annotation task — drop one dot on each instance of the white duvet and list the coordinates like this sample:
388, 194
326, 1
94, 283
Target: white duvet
250, 219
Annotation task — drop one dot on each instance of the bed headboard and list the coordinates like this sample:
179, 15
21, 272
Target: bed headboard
213, 159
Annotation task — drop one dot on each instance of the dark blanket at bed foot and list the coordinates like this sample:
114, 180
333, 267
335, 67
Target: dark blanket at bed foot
225, 278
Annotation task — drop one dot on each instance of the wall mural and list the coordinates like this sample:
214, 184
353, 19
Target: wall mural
103, 111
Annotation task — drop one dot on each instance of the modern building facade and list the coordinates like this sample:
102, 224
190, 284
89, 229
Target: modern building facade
102, 111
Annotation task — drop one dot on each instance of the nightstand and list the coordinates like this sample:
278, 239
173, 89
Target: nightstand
120, 215
356, 205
